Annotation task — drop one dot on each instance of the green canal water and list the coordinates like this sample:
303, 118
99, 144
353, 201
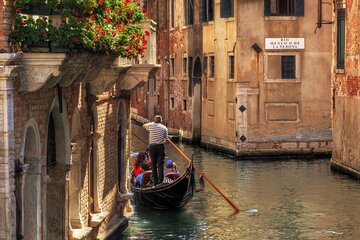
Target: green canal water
293, 199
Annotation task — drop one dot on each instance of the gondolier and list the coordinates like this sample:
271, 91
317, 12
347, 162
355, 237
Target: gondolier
158, 136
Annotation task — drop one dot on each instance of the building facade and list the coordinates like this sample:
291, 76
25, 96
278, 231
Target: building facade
281, 102
345, 70
65, 140
250, 78
175, 92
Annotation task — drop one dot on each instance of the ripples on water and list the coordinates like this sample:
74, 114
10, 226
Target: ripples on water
292, 199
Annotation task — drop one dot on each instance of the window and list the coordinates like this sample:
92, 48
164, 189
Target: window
184, 105
172, 103
231, 66
184, 67
284, 7
172, 66
226, 8
189, 12
190, 82
207, 10
282, 66
340, 41
288, 67
148, 85
172, 13
205, 66
212, 67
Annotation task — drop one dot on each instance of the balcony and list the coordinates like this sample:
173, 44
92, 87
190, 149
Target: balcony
45, 70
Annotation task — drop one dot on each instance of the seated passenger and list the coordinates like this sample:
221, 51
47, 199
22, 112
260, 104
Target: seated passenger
144, 168
141, 157
171, 170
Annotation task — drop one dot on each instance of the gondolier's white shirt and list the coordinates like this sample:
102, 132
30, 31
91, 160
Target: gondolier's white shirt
158, 133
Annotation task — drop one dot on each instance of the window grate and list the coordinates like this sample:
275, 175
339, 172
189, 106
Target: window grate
231, 67
288, 67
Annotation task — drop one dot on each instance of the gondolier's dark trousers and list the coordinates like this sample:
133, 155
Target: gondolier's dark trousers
157, 155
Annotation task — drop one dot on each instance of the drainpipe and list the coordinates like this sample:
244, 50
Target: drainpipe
167, 91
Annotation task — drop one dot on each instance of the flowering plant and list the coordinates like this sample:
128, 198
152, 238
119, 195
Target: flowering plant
99, 26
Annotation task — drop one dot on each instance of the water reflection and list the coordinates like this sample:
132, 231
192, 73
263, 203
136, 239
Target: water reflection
286, 200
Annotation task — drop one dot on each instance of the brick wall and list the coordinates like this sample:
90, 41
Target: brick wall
6, 16
38, 105
346, 89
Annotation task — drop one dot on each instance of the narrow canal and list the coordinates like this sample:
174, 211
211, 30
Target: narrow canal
293, 199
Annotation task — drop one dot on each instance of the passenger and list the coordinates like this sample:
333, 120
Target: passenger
138, 180
141, 157
170, 167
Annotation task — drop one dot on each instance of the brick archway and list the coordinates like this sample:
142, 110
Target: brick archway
28, 185
57, 167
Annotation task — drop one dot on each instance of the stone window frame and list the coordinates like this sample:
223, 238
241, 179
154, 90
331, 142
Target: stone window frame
229, 70
298, 75
172, 102
184, 105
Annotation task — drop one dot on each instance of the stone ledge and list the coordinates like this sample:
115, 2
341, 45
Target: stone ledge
115, 226
97, 218
344, 169
80, 233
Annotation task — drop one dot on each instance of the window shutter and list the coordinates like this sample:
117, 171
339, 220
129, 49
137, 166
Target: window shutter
223, 9
267, 8
226, 8
299, 7
210, 9
203, 11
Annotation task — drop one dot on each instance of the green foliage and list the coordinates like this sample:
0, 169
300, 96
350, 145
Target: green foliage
99, 26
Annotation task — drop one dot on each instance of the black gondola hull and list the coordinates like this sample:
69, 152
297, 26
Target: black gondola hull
165, 196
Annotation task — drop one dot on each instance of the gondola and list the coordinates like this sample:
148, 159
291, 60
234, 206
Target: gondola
166, 196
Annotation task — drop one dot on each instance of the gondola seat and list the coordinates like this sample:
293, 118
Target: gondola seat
172, 175
146, 179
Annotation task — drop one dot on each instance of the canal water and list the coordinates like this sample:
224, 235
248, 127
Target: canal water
293, 199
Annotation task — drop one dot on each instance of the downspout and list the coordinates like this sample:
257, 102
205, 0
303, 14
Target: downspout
167, 91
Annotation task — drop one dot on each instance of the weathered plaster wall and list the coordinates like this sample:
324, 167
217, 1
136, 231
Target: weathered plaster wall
346, 96
280, 117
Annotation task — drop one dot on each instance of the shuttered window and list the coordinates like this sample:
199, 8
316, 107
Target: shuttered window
172, 13
189, 12
226, 8
340, 39
207, 10
284, 7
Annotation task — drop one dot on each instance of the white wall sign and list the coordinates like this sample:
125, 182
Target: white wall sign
284, 43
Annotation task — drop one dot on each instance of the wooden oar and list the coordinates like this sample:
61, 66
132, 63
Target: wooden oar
201, 173
205, 177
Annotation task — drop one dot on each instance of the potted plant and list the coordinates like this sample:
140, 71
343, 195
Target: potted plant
30, 33
97, 26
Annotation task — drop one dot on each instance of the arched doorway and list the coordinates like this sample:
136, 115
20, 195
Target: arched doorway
57, 167
77, 144
28, 185
197, 73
